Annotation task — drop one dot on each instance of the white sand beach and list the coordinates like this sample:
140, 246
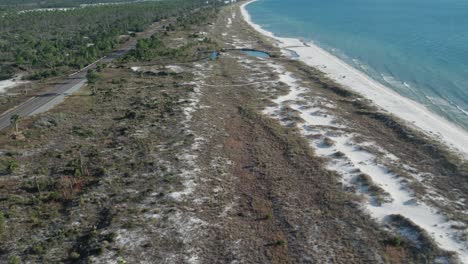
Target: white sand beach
408, 110
355, 159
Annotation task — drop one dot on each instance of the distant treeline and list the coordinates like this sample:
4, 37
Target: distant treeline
47, 42
54, 3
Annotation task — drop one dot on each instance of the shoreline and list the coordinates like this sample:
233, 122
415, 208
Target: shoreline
413, 113
318, 125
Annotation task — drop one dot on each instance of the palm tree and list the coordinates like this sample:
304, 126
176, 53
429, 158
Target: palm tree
14, 119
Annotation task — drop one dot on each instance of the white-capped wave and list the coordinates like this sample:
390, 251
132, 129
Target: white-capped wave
461, 110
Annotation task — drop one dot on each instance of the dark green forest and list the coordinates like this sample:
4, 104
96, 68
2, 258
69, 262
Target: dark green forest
55, 3
47, 43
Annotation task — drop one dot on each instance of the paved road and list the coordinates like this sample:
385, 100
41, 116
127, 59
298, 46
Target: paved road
72, 83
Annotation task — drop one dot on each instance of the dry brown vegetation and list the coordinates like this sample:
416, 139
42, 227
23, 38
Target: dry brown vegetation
94, 179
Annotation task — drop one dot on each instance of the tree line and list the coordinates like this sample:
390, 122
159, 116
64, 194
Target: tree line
54, 3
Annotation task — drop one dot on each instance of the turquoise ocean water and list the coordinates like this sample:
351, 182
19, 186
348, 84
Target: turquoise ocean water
417, 47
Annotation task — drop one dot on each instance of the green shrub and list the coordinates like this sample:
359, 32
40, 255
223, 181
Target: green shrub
2, 223
92, 76
280, 242
83, 132
42, 74
6, 72
395, 241
38, 249
14, 260
12, 166
75, 255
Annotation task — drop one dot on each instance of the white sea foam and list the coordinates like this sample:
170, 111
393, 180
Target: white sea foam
461, 109
414, 113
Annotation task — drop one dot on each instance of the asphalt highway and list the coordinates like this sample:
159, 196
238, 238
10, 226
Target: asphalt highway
56, 94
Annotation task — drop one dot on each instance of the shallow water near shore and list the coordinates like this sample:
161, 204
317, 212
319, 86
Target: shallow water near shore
418, 48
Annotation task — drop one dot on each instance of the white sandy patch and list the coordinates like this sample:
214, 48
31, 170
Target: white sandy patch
189, 185
158, 69
414, 113
47, 10
175, 68
191, 170
8, 84
310, 114
403, 202
354, 160
183, 222
227, 209
62, 9
128, 238
188, 226
316, 116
